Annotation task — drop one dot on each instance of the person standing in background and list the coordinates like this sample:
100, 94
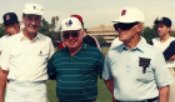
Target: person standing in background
11, 23
163, 28
12, 26
166, 44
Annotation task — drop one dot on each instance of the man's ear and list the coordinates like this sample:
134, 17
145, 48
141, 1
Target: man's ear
82, 32
139, 27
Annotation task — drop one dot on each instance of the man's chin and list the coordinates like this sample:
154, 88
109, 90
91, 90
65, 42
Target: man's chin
72, 47
32, 30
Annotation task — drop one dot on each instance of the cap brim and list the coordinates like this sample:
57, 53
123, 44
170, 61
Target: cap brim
116, 21
10, 23
69, 30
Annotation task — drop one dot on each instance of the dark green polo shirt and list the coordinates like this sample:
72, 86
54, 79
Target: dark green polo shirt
76, 75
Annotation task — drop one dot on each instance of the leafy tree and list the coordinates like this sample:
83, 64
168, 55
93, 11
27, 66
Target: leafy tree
149, 34
2, 30
48, 29
102, 41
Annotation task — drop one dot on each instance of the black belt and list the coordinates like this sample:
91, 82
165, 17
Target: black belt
147, 100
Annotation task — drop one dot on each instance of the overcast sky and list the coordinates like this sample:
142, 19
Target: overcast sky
94, 12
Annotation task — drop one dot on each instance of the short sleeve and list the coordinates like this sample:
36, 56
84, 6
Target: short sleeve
5, 57
162, 74
106, 73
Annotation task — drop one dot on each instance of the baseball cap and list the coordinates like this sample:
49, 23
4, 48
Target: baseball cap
130, 15
32, 8
10, 18
164, 20
70, 23
79, 18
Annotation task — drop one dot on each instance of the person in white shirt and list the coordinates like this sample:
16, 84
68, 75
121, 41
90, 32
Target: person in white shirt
23, 63
12, 26
164, 43
163, 28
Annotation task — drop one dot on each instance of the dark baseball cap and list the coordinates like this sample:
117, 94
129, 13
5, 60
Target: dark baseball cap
10, 18
164, 20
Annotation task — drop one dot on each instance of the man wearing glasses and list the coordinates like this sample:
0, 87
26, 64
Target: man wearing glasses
135, 71
75, 68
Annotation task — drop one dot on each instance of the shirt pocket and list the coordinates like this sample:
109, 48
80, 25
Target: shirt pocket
146, 77
41, 54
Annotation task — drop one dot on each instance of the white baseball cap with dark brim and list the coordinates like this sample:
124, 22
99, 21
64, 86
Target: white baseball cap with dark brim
70, 24
32, 8
130, 15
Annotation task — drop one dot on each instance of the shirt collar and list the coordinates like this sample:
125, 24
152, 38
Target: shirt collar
84, 46
140, 47
25, 38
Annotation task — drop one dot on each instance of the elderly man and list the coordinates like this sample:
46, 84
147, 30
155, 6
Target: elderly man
23, 63
76, 67
135, 71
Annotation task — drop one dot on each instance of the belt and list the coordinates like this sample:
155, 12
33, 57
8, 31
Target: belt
147, 100
26, 83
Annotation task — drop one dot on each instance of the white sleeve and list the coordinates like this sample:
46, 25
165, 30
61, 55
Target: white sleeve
5, 57
52, 50
162, 74
106, 73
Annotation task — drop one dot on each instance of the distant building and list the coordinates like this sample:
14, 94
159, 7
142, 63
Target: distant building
106, 31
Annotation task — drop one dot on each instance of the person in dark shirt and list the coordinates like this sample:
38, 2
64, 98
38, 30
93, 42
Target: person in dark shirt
77, 66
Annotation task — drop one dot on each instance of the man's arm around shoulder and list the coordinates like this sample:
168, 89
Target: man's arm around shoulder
3, 80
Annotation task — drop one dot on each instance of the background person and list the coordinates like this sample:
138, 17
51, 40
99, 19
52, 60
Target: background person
24, 67
163, 28
166, 44
11, 23
12, 26
132, 71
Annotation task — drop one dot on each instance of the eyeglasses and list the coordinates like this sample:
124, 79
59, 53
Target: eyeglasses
73, 34
124, 26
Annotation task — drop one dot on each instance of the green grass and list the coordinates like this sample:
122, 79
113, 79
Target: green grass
103, 93
103, 96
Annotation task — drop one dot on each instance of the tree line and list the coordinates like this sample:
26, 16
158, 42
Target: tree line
48, 29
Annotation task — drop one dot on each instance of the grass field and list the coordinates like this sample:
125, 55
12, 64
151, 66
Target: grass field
103, 96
